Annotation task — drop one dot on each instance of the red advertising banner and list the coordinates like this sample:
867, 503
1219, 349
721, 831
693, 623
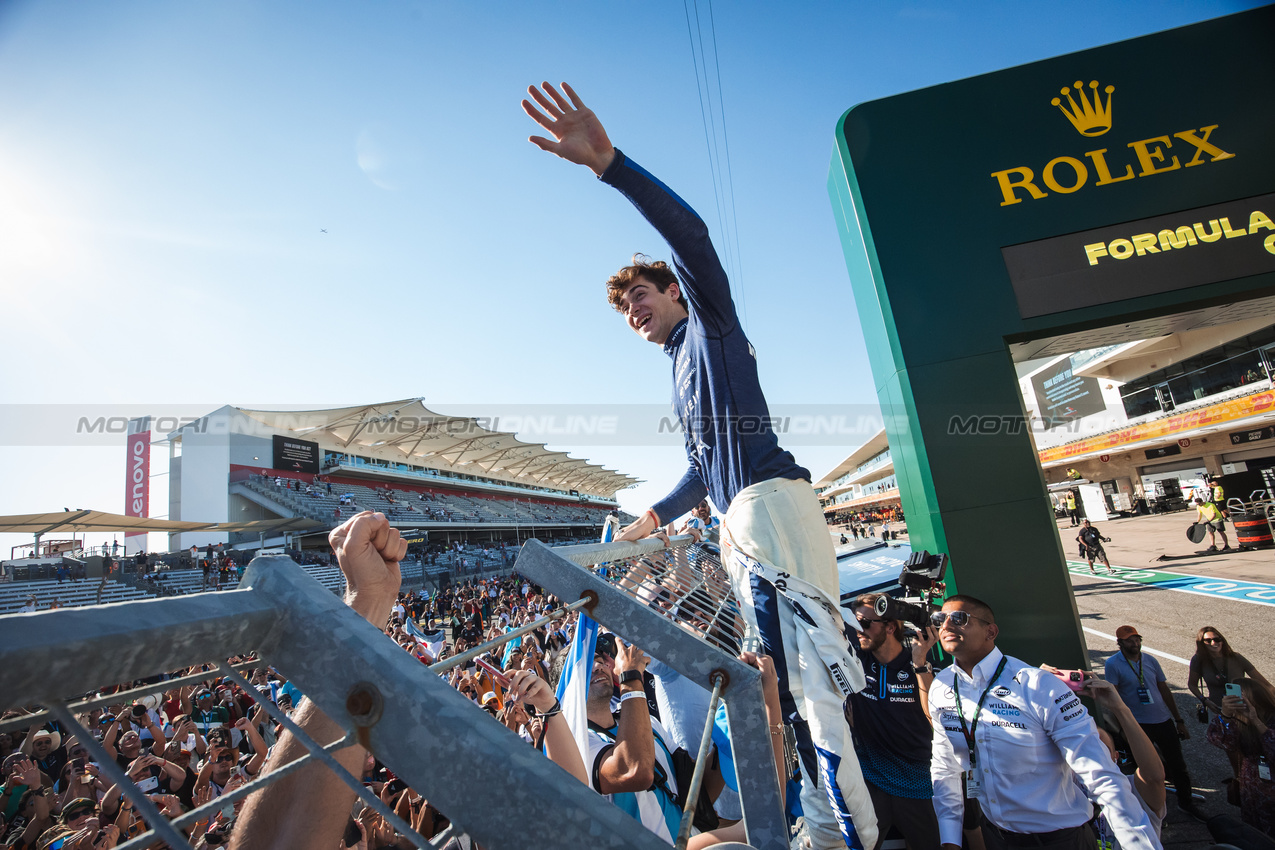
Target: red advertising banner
137, 479
1227, 411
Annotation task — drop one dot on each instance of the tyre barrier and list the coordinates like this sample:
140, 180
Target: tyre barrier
1252, 530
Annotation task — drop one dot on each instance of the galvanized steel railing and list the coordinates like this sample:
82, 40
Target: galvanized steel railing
475, 771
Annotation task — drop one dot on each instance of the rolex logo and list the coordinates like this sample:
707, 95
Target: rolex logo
1089, 118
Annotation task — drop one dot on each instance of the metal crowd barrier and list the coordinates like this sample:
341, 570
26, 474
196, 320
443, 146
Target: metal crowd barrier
478, 773
674, 604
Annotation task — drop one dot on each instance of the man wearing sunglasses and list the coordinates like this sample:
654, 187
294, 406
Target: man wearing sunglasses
1014, 750
891, 728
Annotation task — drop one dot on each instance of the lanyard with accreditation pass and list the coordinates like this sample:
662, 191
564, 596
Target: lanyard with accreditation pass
973, 784
1144, 693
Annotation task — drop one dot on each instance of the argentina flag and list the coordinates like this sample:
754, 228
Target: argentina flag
573, 685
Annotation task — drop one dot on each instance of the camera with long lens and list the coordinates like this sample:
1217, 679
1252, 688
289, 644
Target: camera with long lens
889, 608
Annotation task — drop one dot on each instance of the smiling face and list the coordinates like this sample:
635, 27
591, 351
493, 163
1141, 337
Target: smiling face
602, 681
650, 313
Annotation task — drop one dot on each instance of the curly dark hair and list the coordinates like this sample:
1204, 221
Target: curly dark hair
657, 272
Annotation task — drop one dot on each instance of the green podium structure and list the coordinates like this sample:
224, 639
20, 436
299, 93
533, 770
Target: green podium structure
1077, 200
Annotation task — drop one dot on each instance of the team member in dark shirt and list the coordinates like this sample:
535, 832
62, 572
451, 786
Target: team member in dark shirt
775, 542
891, 725
1091, 544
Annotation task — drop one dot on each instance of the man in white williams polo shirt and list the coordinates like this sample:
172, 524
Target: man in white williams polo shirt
1015, 751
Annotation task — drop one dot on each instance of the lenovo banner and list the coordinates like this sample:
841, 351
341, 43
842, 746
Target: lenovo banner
137, 479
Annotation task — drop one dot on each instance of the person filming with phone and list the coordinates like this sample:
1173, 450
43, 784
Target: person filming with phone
1014, 749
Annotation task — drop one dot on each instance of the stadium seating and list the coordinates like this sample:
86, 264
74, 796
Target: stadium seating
77, 593
423, 506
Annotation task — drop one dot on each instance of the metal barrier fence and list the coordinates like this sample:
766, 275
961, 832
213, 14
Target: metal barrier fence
477, 772
675, 605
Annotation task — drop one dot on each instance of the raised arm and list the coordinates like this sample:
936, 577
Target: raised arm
629, 765
560, 744
1073, 731
581, 139
1150, 774
309, 808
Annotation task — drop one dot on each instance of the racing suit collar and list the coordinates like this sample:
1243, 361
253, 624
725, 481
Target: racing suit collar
675, 338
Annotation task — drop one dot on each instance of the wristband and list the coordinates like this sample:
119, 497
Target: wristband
923, 668
655, 518
554, 709
633, 695
630, 676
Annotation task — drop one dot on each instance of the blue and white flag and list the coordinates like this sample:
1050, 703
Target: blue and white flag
432, 640
573, 685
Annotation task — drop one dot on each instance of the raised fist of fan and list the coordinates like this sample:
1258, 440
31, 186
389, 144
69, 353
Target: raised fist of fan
369, 550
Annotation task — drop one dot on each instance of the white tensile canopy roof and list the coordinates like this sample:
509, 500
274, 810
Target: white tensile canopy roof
80, 521
408, 432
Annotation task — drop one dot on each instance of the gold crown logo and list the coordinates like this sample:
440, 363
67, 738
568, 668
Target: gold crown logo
1089, 119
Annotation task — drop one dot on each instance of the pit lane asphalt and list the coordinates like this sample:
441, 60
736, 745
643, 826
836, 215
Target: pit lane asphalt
1167, 619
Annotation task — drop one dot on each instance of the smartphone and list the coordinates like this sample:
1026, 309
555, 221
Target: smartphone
1233, 690
491, 670
1074, 679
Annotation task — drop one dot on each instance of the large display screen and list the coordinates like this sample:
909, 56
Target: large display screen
295, 455
1063, 396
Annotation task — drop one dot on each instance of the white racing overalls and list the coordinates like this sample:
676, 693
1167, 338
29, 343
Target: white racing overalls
783, 568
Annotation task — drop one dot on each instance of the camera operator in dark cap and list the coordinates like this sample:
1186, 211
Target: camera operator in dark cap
891, 726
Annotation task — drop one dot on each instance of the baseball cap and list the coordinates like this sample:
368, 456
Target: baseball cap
1125, 632
76, 807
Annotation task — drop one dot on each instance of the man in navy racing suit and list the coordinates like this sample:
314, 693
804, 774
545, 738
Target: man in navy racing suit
775, 543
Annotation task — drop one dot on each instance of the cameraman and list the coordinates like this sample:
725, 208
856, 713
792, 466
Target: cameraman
890, 723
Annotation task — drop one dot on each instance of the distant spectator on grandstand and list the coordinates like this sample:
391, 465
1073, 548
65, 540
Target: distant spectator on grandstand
29, 606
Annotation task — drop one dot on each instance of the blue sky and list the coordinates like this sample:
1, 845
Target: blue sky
166, 170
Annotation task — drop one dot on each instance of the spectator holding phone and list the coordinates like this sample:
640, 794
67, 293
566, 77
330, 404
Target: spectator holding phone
1246, 728
1148, 779
1215, 664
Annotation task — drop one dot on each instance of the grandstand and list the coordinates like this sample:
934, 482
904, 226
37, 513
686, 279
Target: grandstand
122, 587
448, 480
464, 497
